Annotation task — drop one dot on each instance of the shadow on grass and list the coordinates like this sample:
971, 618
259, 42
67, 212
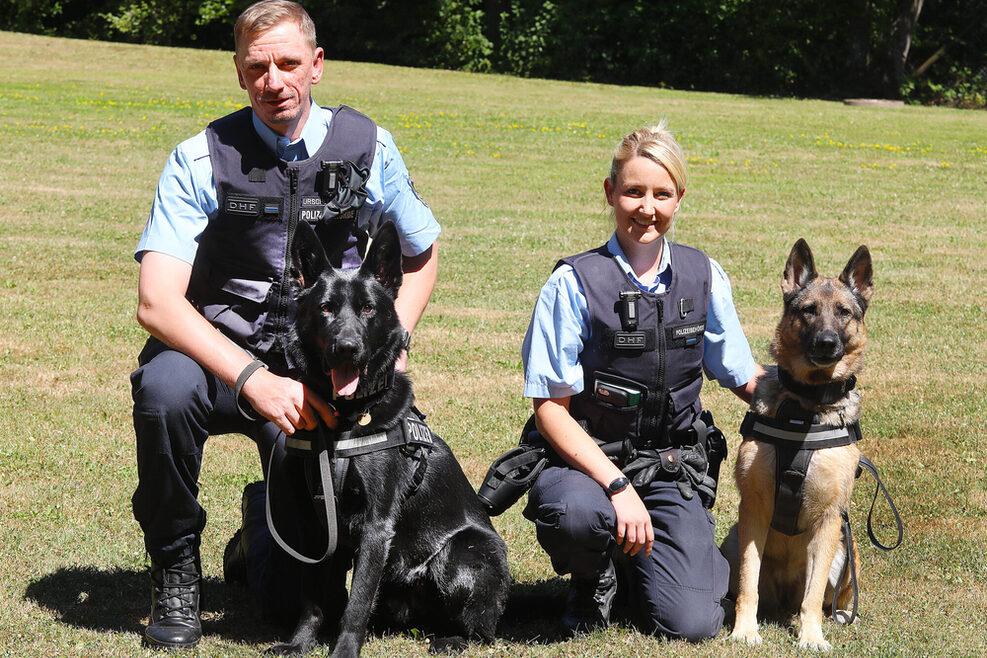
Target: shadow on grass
119, 601
534, 611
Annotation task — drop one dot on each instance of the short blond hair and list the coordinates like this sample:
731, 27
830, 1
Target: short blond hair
658, 145
264, 15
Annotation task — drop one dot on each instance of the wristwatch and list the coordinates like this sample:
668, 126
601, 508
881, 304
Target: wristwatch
617, 485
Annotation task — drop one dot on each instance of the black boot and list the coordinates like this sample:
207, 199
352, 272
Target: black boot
590, 600
175, 597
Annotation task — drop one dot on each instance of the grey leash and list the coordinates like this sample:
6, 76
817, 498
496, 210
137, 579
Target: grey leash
865, 463
329, 498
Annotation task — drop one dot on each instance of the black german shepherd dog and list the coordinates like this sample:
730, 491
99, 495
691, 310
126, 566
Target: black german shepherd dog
423, 548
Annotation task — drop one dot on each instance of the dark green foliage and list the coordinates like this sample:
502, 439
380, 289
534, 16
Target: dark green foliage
951, 40
65, 18
170, 22
433, 33
770, 47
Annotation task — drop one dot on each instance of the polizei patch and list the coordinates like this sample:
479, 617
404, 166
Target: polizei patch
685, 335
312, 209
688, 330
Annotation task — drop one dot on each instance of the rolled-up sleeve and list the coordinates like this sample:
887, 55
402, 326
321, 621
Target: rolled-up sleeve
559, 327
727, 355
417, 226
184, 201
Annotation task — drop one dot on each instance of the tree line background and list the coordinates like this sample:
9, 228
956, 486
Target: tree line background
929, 51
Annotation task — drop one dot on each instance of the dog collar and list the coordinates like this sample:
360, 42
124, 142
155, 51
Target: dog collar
818, 393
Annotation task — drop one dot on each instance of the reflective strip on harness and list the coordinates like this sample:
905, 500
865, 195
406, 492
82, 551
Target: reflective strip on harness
293, 443
795, 441
410, 431
810, 436
359, 443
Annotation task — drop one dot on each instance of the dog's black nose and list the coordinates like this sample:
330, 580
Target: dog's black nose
346, 349
827, 344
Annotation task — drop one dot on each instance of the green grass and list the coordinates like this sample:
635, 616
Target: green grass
513, 169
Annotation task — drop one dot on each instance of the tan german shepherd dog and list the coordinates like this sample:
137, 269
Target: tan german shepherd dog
818, 343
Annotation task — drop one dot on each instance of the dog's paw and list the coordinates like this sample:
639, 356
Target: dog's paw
347, 646
750, 636
447, 645
814, 642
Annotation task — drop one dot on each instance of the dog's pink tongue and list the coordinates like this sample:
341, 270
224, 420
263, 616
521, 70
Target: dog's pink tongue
345, 379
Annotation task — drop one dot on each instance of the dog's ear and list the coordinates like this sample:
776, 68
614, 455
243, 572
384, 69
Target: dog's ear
383, 261
858, 275
308, 258
800, 268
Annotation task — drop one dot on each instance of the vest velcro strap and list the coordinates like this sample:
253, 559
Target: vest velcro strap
810, 436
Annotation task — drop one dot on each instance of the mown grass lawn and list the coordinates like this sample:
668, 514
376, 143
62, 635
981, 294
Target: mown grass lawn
513, 169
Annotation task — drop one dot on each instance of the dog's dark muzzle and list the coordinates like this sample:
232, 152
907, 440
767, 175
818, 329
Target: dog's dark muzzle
824, 348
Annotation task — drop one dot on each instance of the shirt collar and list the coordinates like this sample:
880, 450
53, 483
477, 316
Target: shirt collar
313, 134
663, 274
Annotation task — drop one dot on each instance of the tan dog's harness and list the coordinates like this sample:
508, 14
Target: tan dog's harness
796, 434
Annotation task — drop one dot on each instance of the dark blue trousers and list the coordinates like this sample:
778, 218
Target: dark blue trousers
177, 406
678, 590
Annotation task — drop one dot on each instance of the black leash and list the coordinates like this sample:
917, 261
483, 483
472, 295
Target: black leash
848, 539
869, 465
865, 463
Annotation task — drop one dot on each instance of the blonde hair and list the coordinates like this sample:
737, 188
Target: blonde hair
657, 144
265, 14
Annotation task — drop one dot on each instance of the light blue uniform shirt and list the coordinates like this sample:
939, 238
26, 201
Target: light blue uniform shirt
186, 200
560, 325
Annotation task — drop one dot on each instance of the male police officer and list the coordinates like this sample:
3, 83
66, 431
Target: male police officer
213, 285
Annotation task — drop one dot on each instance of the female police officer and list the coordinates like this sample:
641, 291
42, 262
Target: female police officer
614, 356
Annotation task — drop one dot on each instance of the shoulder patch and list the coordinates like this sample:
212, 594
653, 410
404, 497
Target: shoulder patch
414, 190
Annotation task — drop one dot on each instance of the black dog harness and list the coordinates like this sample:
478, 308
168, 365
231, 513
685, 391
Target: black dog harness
796, 434
333, 451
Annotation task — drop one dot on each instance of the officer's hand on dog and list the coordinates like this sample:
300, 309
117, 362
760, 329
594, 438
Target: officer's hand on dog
634, 529
401, 365
287, 403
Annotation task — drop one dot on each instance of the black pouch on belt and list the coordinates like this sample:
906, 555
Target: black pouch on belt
512, 474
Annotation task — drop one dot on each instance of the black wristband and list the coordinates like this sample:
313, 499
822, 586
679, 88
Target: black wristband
250, 369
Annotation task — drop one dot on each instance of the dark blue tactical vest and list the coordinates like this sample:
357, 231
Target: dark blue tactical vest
642, 374
240, 277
